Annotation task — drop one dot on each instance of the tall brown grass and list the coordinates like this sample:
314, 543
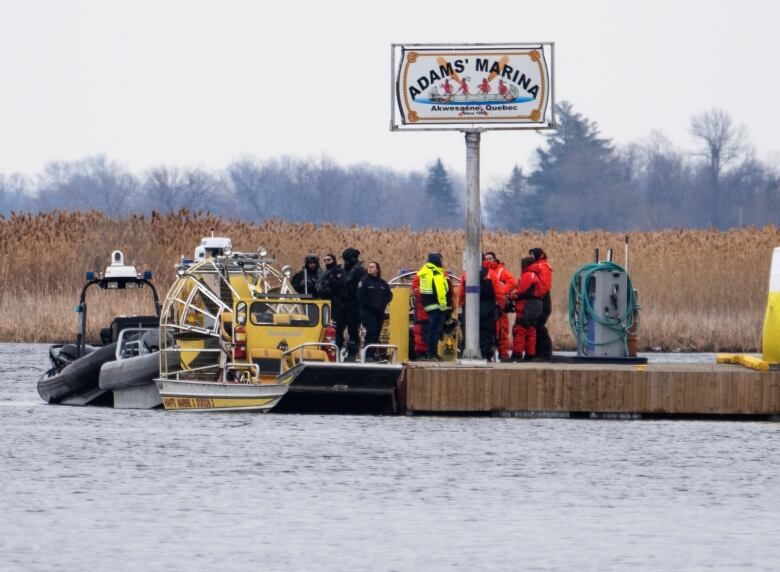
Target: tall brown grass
700, 290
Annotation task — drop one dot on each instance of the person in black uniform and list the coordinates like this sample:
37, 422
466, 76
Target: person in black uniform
488, 310
330, 286
373, 296
305, 280
491, 304
353, 274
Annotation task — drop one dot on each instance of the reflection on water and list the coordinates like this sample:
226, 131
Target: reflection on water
89, 488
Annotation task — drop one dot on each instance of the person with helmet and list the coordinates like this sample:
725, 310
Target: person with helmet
528, 310
502, 322
436, 300
542, 268
353, 274
305, 280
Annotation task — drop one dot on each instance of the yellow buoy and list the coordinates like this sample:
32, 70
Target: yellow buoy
743, 360
771, 346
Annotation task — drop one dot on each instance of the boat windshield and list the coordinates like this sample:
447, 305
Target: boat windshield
284, 314
134, 342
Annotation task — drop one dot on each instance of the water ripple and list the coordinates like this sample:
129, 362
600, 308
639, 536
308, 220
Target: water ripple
88, 488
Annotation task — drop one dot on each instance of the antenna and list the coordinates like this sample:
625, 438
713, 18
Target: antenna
625, 255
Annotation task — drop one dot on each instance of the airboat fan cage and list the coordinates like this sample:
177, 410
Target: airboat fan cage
194, 340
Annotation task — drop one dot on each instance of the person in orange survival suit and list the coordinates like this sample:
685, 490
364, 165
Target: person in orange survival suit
491, 302
544, 270
528, 310
420, 327
502, 322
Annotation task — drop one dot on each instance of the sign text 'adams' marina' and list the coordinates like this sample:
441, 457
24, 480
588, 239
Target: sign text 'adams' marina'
477, 84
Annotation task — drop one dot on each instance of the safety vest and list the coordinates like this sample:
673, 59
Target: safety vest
433, 287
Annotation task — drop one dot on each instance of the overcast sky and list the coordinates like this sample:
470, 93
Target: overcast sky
202, 83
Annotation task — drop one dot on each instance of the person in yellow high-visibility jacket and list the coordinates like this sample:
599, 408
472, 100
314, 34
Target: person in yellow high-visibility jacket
436, 299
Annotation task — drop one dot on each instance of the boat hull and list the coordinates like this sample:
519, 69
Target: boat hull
130, 372
183, 395
342, 387
78, 377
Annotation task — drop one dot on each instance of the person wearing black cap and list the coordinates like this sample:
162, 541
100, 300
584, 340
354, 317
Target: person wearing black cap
353, 274
543, 269
436, 296
305, 280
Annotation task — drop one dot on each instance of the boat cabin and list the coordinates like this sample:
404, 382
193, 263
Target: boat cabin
274, 333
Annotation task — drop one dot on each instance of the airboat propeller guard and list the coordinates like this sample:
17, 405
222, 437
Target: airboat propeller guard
193, 337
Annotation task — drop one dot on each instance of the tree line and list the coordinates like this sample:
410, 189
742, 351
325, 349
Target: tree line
579, 180
582, 181
249, 189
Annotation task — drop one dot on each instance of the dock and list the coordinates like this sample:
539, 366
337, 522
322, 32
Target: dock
618, 391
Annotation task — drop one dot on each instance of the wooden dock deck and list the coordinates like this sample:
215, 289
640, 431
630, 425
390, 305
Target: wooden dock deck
590, 390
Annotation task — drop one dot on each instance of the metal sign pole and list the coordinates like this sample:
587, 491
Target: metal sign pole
472, 259
464, 87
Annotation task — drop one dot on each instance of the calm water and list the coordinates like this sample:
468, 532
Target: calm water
89, 489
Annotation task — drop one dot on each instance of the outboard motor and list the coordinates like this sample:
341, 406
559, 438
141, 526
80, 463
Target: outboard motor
62, 355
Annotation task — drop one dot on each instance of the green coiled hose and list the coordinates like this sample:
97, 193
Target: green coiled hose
581, 311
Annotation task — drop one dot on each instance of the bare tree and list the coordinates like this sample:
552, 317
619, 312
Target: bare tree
722, 141
722, 144
663, 180
91, 183
252, 184
15, 194
170, 189
755, 184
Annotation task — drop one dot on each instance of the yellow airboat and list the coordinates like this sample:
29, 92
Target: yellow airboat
234, 335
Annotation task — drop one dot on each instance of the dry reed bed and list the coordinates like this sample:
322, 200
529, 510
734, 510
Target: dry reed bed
699, 289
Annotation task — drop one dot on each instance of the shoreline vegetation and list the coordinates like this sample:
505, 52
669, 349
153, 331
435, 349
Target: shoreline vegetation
699, 290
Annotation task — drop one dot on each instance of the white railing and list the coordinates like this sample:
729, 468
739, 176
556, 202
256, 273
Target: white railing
380, 346
305, 345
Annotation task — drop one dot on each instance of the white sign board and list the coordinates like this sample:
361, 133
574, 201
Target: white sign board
490, 86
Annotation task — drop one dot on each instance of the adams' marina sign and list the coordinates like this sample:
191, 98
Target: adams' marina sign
486, 85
